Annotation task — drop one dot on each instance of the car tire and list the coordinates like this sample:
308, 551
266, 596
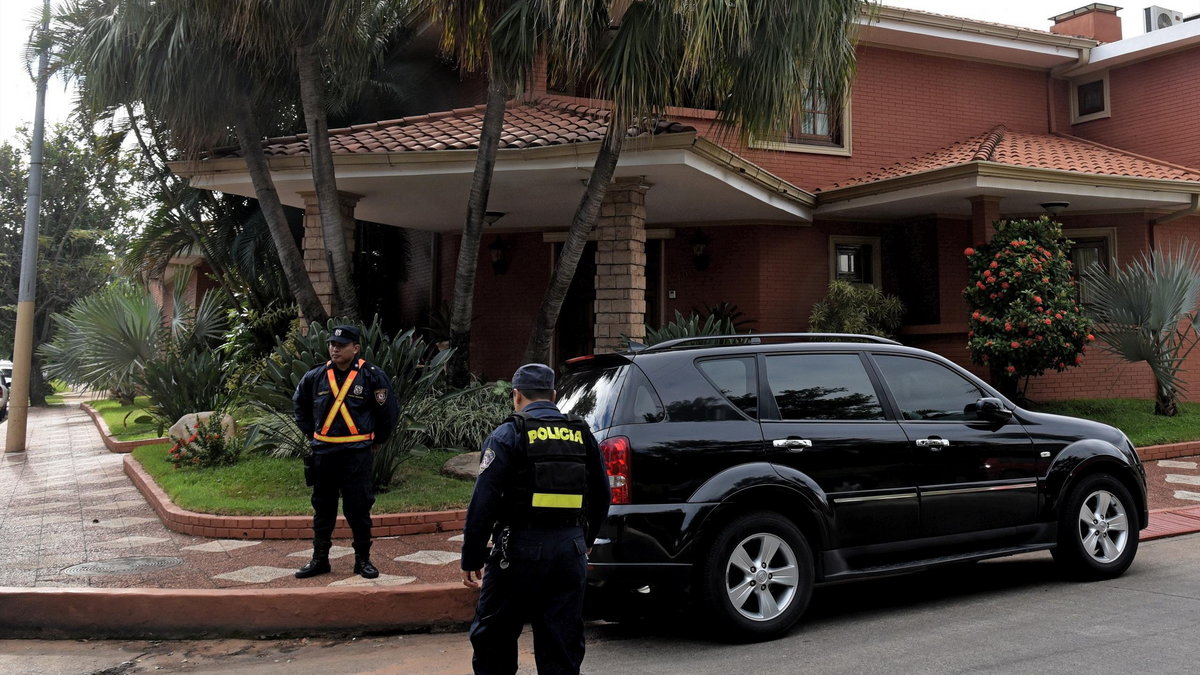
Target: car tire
1097, 529
753, 605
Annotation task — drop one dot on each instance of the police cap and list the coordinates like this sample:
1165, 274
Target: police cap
344, 335
534, 376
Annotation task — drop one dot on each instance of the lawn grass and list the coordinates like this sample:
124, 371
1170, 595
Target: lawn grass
121, 423
1133, 416
271, 486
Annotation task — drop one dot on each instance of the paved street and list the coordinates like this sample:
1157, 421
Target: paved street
1006, 616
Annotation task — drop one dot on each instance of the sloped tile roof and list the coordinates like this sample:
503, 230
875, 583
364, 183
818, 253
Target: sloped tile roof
1056, 152
544, 122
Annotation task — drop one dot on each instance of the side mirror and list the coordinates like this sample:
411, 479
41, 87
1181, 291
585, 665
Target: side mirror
992, 409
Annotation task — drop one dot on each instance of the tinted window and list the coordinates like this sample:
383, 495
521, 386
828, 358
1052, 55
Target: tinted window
736, 379
822, 387
925, 390
639, 402
591, 394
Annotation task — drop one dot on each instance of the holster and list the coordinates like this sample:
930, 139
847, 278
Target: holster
310, 478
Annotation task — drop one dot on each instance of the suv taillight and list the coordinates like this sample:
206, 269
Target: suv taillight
616, 461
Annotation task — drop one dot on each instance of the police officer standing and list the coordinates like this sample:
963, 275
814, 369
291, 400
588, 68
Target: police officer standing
541, 496
347, 407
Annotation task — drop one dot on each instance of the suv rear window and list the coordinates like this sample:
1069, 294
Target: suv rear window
592, 394
736, 379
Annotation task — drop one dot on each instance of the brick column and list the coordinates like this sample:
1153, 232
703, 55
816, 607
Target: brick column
621, 264
985, 210
316, 263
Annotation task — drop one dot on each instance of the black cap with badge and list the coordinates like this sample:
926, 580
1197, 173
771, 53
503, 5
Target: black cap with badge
534, 376
344, 335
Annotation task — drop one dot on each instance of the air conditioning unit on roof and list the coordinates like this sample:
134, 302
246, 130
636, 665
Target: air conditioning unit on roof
1161, 17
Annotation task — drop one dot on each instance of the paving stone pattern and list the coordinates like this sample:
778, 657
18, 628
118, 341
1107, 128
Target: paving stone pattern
67, 501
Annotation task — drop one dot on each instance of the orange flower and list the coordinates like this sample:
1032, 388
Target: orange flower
1014, 344
968, 251
1011, 369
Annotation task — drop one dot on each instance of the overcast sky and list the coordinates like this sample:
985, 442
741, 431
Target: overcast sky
17, 90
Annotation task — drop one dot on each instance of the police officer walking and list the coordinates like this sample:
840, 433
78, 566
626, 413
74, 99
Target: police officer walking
347, 407
541, 496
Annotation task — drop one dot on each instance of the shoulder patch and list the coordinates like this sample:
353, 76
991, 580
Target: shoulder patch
488, 456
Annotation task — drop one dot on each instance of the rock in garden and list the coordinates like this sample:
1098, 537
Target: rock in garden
186, 426
464, 466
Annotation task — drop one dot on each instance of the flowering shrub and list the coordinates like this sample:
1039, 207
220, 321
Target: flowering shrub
206, 446
1025, 316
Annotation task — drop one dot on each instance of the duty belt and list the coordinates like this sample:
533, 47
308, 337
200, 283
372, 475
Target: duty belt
339, 406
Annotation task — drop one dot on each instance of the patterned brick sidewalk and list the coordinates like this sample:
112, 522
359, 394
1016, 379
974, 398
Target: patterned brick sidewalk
66, 502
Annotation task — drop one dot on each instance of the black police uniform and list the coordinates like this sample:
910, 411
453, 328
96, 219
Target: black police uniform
344, 413
541, 529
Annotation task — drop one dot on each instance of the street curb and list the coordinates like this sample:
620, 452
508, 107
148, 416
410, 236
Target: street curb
110, 441
279, 527
95, 613
1168, 451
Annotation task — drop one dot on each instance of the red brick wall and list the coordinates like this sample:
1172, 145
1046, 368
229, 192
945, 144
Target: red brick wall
505, 305
905, 104
1153, 107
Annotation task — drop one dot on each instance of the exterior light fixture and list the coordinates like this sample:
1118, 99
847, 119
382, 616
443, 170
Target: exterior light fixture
1054, 208
699, 244
498, 250
490, 217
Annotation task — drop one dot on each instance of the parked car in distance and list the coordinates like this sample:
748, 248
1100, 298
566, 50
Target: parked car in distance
748, 469
3, 399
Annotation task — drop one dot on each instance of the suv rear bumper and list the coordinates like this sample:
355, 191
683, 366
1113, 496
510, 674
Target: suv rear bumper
646, 543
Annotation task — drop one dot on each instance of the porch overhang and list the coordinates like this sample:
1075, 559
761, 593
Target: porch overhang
538, 188
947, 191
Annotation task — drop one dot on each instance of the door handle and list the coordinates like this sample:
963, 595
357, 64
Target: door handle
792, 443
934, 443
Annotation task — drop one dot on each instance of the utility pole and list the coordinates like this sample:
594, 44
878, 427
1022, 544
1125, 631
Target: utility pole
18, 399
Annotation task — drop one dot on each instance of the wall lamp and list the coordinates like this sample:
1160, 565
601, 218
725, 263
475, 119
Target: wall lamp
498, 250
699, 244
1054, 208
490, 217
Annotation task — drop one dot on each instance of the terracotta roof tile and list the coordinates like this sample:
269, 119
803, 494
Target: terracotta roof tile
1057, 152
544, 122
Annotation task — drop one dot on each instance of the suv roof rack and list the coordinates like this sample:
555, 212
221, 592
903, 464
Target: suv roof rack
756, 338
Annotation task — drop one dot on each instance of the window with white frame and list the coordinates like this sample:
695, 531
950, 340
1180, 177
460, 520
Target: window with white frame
1089, 98
1092, 246
822, 127
855, 260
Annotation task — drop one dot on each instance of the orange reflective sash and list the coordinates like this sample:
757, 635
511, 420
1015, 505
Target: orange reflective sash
339, 407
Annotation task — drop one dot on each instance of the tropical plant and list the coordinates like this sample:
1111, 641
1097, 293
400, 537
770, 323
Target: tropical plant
692, 325
753, 62
1025, 315
170, 61
415, 383
851, 308
463, 421
725, 310
183, 381
1146, 311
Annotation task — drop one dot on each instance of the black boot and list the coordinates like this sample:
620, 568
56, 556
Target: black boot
362, 561
318, 565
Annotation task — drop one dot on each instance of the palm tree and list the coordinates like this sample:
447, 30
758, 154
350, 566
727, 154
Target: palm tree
1146, 311
325, 45
507, 35
752, 61
169, 60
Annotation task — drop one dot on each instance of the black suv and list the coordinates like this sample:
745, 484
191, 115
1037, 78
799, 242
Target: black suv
746, 469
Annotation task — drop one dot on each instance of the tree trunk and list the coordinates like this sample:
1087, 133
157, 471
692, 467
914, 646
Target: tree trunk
468, 250
268, 200
345, 303
584, 221
1165, 402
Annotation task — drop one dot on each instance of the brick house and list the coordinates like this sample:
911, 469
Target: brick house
951, 124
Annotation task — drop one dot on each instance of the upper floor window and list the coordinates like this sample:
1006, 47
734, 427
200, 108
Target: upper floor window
1089, 99
822, 126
